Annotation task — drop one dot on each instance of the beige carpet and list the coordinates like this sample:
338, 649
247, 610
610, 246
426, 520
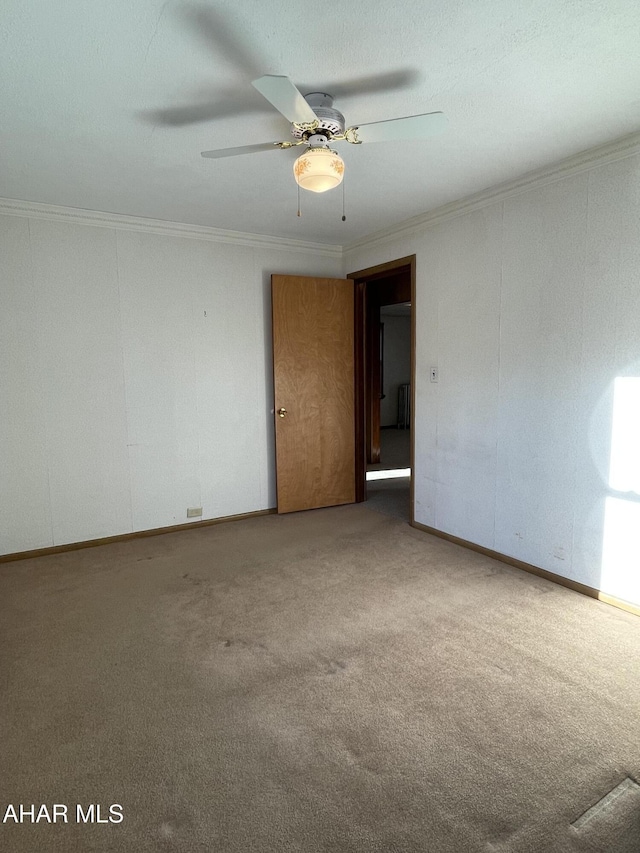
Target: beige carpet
392, 497
324, 681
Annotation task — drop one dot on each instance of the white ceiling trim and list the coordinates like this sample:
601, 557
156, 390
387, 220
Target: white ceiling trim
36, 210
626, 146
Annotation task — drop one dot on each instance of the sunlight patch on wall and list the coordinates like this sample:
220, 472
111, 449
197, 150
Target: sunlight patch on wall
620, 549
624, 473
620, 574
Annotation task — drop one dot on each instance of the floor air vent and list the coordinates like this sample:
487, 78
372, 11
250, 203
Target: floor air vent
613, 823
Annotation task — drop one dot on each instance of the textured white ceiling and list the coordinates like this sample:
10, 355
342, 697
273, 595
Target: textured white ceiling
523, 84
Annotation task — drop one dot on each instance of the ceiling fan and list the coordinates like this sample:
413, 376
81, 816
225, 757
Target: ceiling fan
315, 123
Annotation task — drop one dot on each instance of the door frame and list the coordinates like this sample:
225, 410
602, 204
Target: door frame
360, 279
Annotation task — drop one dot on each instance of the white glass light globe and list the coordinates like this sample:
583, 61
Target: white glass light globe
319, 169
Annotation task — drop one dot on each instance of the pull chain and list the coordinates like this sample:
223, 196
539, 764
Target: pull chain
299, 214
344, 218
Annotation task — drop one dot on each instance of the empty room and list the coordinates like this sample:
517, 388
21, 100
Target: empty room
319, 426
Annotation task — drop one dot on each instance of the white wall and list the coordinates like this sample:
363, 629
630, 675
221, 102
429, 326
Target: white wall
397, 363
135, 378
530, 309
122, 402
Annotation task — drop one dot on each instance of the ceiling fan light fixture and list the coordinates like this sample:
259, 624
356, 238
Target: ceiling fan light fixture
319, 169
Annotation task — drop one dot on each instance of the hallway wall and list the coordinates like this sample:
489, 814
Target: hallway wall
397, 363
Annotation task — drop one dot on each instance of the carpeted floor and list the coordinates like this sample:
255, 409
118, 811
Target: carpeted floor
325, 681
391, 497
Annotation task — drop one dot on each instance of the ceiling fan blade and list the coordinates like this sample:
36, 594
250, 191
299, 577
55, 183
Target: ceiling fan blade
410, 127
217, 107
390, 80
285, 97
218, 153
218, 31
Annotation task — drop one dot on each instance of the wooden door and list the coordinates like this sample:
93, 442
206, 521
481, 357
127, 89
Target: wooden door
313, 369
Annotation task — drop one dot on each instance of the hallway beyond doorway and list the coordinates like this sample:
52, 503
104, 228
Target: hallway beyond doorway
391, 496
395, 450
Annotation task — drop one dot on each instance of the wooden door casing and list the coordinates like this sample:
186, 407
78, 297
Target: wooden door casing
398, 285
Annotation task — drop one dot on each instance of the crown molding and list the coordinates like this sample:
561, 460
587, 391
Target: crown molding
620, 149
37, 210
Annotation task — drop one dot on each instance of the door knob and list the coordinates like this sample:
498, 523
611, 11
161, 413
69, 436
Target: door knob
282, 413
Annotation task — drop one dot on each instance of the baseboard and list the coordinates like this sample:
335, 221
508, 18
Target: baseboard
620, 603
124, 537
582, 588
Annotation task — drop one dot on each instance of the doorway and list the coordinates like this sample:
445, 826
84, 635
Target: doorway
385, 359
